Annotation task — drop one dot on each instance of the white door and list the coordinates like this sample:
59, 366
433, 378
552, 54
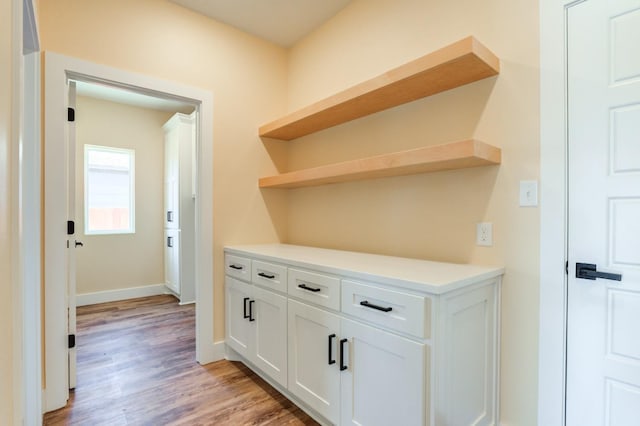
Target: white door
383, 383
603, 338
172, 260
314, 373
172, 178
238, 296
270, 334
72, 242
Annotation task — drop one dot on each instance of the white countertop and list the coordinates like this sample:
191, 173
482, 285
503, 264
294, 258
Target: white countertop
415, 274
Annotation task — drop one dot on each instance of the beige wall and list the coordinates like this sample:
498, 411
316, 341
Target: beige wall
432, 216
429, 216
111, 262
246, 76
6, 309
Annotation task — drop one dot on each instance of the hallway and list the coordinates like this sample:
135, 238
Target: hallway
136, 366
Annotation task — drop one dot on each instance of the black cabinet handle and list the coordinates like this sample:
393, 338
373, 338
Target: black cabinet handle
342, 366
239, 268
244, 309
169, 241
366, 304
169, 216
331, 337
263, 275
588, 271
305, 287
251, 318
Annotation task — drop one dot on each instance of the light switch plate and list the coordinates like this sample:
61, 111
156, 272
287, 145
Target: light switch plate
528, 193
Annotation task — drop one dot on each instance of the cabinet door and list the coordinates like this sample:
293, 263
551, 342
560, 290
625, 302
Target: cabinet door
384, 383
171, 179
239, 328
270, 353
172, 260
312, 377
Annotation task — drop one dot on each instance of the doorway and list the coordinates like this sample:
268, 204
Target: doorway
555, 274
121, 192
59, 71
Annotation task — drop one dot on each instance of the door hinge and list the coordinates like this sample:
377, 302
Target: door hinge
71, 227
72, 341
71, 114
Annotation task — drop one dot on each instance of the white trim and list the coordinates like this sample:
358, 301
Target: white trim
85, 299
15, 210
218, 350
31, 233
553, 214
58, 69
30, 38
28, 403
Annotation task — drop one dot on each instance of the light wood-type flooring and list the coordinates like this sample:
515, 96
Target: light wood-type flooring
136, 366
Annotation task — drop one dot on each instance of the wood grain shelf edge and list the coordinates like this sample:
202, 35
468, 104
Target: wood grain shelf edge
449, 156
457, 64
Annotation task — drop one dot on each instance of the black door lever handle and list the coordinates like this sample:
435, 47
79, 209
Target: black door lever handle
79, 244
588, 271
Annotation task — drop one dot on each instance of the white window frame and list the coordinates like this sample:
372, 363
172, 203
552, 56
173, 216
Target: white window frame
132, 186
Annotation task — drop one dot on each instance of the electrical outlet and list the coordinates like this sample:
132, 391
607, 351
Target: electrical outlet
484, 234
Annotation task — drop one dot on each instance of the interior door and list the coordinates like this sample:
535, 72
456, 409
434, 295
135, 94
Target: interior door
72, 243
603, 338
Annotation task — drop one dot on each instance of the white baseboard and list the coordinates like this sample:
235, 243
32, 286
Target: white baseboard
120, 294
210, 352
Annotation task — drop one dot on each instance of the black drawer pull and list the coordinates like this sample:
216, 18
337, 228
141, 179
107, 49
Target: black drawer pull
342, 366
251, 318
372, 306
331, 337
239, 268
169, 241
169, 216
244, 309
263, 275
305, 287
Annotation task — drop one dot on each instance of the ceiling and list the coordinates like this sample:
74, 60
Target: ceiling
128, 97
283, 22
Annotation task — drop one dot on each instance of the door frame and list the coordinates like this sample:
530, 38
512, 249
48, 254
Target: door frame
553, 211
58, 68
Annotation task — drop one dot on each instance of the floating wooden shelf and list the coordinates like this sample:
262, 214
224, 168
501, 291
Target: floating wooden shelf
455, 155
452, 66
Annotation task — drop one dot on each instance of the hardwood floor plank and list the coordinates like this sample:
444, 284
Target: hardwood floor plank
136, 366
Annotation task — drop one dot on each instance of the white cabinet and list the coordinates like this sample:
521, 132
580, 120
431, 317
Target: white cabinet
370, 340
238, 295
179, 207
351, 373
172, 259
257, 327
314, 372
384, 379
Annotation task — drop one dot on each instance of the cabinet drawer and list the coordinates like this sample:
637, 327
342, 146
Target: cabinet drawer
323, 290
268, 275
237, 267
392, 309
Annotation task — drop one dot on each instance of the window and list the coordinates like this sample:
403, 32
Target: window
109, 206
